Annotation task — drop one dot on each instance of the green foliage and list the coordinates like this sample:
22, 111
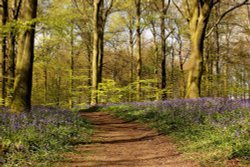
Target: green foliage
110, 92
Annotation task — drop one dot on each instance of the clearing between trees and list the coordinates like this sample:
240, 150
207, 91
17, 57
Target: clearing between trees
120, 143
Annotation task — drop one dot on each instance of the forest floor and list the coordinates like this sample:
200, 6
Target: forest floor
117, 143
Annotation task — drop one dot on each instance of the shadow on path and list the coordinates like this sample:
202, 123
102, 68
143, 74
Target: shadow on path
117, 143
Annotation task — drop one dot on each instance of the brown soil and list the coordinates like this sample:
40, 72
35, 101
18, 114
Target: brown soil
124, 144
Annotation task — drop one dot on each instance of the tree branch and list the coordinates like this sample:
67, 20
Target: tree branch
224, 14
169, 34
77, 7
17, 10
165, 10
156, 6
216, 2
181, 12
108, 10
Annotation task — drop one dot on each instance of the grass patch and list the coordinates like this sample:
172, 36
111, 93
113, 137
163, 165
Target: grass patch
40, 137
213, 131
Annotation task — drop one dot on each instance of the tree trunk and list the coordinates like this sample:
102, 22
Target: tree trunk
164, 9
89, 53
11, 66
196, 69
100, 17
23, 81
163, 62
58, 87
156, 58
138, 50
45, 85
101, 55
95, 58
181, 67
225, 82
5, 16
208, 68
172, 64
197, 27
131, 55
217, 58
71, 87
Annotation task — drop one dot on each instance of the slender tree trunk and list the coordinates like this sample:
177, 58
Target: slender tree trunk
11, 66
217, 58
163, 62
181, 66
172, 65
164, 8
71, 87
173, 94
226, 92
248, 13
138, 50
217, 63
95, 58
23, 81
244, 83
208, 69
101, 55
89, 53
5, 16
225, 81
58, 85
45, 85
156, 58
100, 17
131, 53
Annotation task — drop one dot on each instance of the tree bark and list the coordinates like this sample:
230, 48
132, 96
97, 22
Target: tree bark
23, 81
208, 68
11, 66
131, 55
196, 69
71, 87
197, 27
89, 53
217, 58
172, 64
101, 55
95, 58
138, 50
99, 21
45, 85
164, 9
163, 62
181, 67
5, 17
156, 57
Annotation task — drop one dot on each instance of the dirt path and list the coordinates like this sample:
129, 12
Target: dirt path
122, 144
